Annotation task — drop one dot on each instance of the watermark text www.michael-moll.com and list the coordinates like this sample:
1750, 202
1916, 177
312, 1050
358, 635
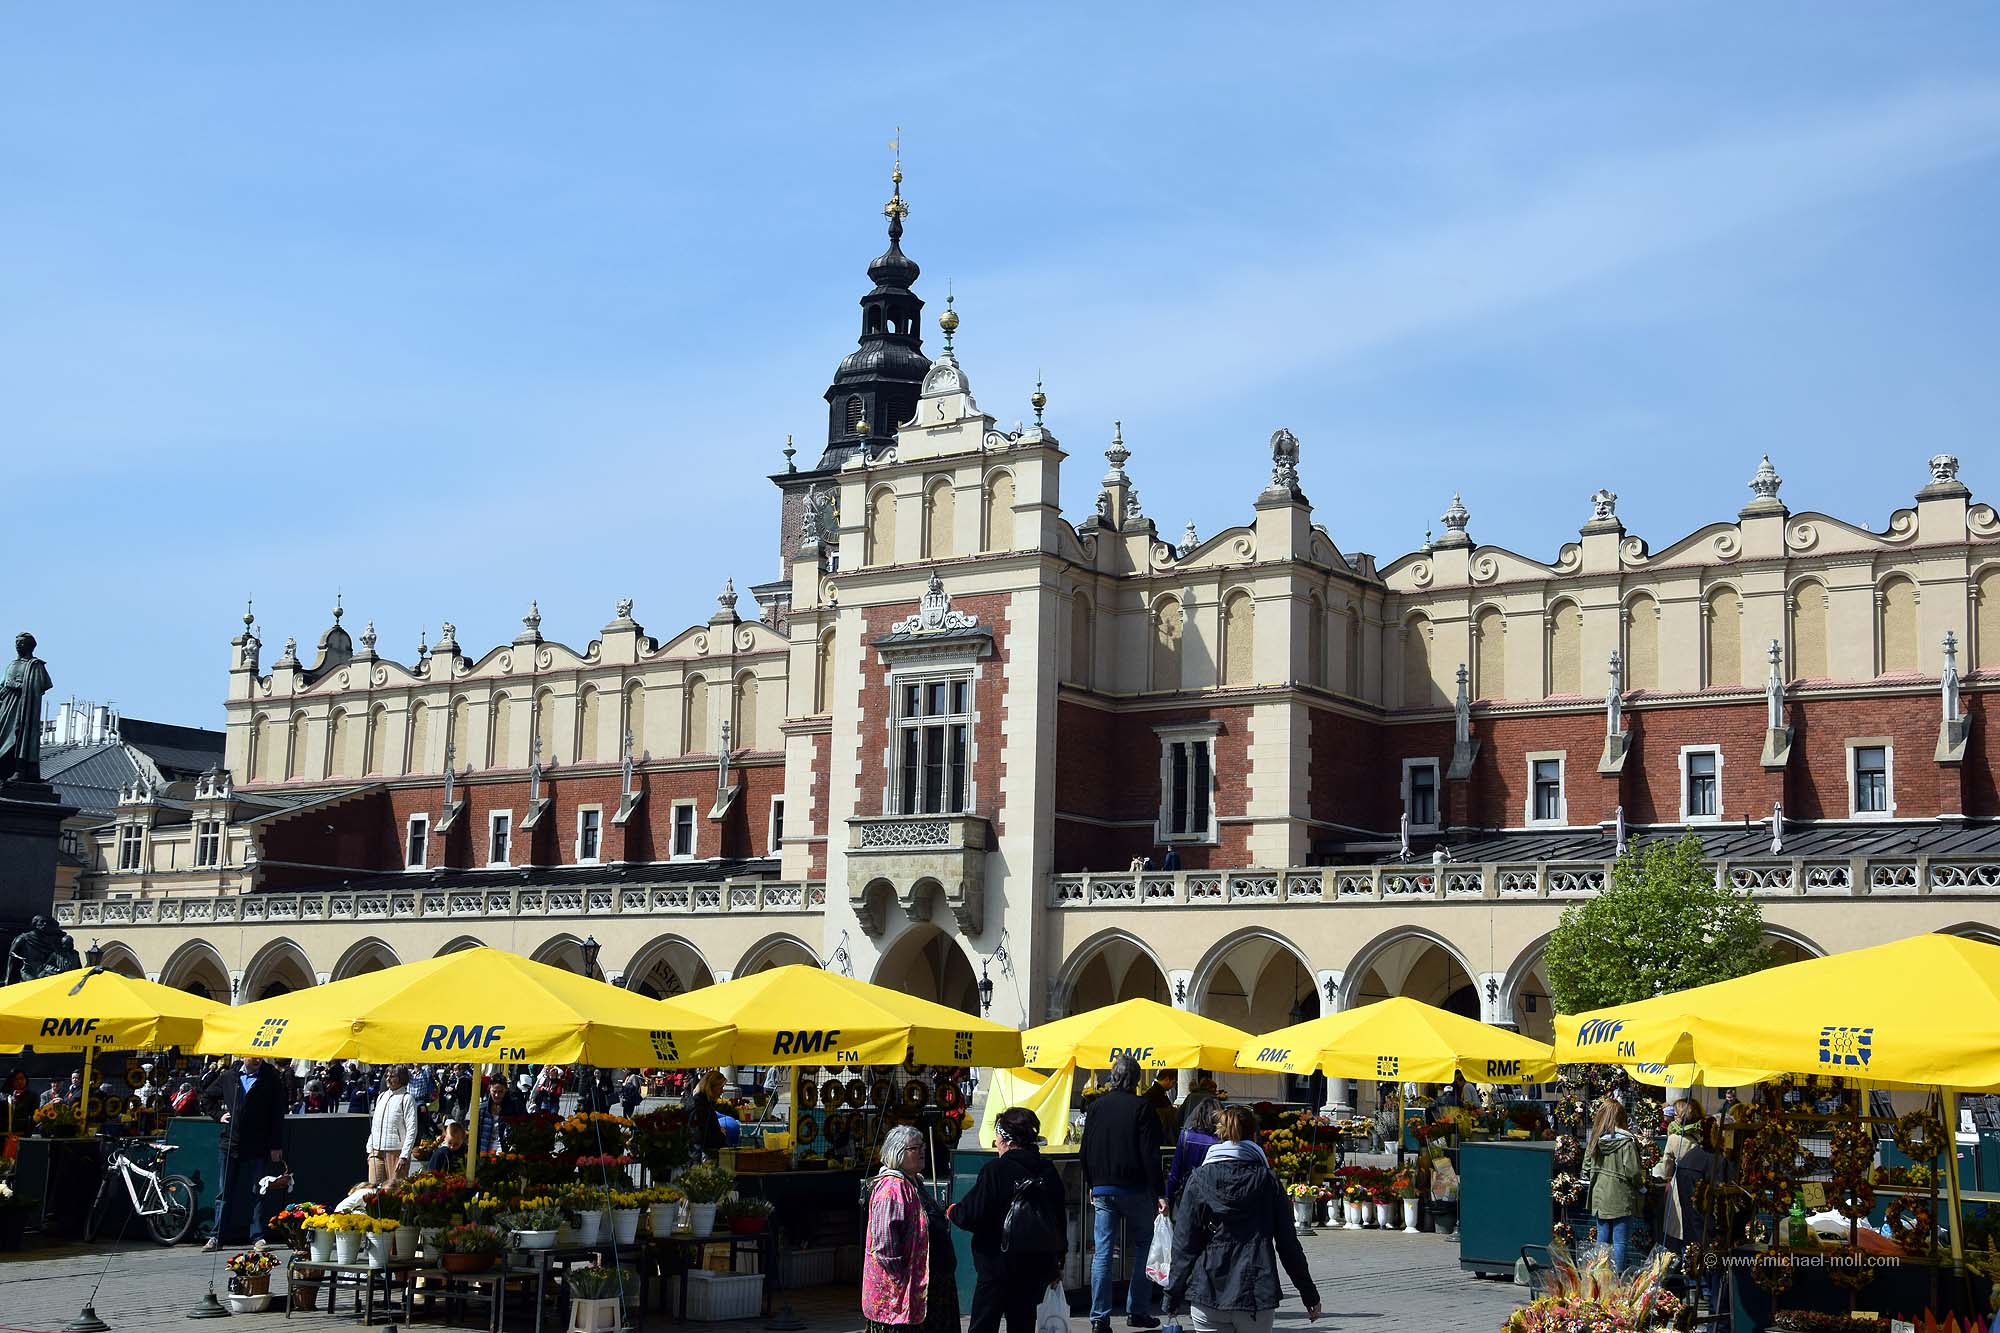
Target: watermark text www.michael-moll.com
1847, 1259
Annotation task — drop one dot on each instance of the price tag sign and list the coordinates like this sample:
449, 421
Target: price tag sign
1813, 1195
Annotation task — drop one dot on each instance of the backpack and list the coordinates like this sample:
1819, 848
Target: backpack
1031, 1226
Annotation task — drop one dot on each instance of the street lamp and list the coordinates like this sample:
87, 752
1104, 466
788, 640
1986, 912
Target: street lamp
94, 955
985, 989
590, 951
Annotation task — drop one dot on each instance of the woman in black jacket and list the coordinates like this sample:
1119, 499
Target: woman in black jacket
1233, 1215
1011, 1279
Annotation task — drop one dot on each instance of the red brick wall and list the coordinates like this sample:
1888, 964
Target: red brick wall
1108, 767
1357, 767
1653, 769
1820, 732
363, 837
1982, 756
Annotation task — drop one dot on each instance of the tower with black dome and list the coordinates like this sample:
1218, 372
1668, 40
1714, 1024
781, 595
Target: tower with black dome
876, 388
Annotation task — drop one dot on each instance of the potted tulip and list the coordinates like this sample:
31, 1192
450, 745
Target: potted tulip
706, 1186
665, 1202
594, 1298
472, 1248
534, 1224
624, 1217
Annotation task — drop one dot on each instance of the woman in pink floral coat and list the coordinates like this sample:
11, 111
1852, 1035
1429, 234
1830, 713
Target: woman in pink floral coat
909, 1271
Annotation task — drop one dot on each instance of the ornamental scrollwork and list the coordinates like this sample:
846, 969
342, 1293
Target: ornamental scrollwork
745, 640
1803, 536
1421, 573
1981, 521
1728, 545
1485, 569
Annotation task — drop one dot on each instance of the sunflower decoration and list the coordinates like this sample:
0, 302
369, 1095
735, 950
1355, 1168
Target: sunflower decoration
1911, 1224
880, 1094
1853, 1152
915, 1094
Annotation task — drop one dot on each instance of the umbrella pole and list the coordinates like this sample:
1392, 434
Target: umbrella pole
1950, 1106
472, 1129
83, 1106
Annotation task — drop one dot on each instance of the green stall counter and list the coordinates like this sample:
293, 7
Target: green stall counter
1503, 1203
327, 1154
965, 1164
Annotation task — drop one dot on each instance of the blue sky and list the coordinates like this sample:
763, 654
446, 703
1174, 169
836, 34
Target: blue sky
452, 306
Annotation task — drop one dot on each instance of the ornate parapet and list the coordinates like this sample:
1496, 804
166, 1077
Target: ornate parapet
910, 859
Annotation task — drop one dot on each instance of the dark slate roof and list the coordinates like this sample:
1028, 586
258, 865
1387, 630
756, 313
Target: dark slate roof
1813, 842
89, 776
645, 874
179, 751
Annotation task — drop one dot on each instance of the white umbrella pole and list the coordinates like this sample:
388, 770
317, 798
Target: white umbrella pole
472, 1129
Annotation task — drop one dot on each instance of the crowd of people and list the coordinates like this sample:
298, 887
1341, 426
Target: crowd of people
1231, 1223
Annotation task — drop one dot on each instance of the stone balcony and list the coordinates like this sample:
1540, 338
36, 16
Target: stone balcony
907, 860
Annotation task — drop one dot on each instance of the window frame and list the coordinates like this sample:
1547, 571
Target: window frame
208, 832
1687, 754
132, 840
576, 848
421, 842
952, 724
1410, 767
1560, 758
1855, 745
774, 836
502, 822
674, 852
1204, 735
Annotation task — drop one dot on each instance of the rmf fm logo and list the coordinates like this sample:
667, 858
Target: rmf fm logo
1499, 1069
477, 1037
267, 1033
1143, 1054
664, 1047
1386, 1066
826, 1042
1274, 1055
70, 1027
1846, 1046
1598, 1031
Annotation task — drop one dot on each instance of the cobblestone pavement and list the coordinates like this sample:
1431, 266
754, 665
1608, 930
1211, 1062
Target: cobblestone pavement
1370, 1282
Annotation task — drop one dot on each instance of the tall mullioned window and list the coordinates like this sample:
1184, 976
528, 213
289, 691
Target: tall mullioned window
208, 843
1188, 790
933, 744
131, 839
1871, 780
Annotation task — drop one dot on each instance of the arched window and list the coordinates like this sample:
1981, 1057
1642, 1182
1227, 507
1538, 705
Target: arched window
743, 714
1809, 655
588, 712
295, 748
939, 514
694, 726
339, 732
545, 725
823, 674
1896, 625
259, 765
1239, 639
1418, 688
1489, 654
500, 733
1166, 673
1082, 640
458, 733
1986, 619
1642, 643
856, 411
1565, 649
1316, 641
997, 523
635, 720
417, 752
1725, 637
1352, 650
372, 759
882, 527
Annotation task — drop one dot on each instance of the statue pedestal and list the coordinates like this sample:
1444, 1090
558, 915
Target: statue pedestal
31, 817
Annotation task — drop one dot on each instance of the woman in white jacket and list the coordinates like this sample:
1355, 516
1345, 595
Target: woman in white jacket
392, 1129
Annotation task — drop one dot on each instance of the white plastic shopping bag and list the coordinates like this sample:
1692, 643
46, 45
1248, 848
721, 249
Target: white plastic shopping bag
1052, 1315
1160, 1258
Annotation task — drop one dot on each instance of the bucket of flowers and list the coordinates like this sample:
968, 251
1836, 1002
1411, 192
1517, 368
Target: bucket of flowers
594, 1298
706, 1186
250, 1279
745, 1217
661, 1142
534, 1223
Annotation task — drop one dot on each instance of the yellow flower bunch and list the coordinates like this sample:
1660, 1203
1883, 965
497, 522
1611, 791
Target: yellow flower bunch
343, 1222
539, 1201
382, 1226
621, 1199
661, 1194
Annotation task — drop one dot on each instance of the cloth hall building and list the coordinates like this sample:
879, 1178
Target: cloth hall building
934, 751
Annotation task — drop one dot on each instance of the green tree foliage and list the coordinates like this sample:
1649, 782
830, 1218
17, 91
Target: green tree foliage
1662, 925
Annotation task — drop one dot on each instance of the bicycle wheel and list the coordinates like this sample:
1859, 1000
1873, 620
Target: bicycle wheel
172, 1226
94, 1221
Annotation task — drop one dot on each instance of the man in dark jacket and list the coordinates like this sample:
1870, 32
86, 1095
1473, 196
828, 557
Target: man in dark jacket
1233, 1215
1011, 1282
1121, 1167
252, 1144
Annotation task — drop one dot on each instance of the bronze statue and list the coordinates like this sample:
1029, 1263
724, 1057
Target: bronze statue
42, 950
21, 691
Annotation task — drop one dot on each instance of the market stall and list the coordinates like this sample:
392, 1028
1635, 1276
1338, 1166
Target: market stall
1403, 1041
574, 1174
860, 1058
1916, 1015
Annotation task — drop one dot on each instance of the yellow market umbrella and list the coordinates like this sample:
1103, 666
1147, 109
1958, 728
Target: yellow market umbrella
803, 1015
1157, 1035
1694, 1076
1047, 1095
1915, 1013
1404, 1040
474, 1006
91, 1010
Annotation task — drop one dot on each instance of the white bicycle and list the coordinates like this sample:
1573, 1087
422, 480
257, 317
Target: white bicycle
164, 1202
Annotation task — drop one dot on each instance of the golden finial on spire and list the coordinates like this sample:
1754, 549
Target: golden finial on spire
896, 210
1038, 400
948, 321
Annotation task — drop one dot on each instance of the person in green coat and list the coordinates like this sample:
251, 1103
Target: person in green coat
1617, 1185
